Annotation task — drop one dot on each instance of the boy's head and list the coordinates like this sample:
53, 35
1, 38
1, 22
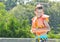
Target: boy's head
39, 9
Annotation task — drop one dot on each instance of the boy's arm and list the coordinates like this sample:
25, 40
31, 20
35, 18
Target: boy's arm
47, 25
46, 20
33, 25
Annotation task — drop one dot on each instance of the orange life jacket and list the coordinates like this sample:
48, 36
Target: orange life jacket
38, 22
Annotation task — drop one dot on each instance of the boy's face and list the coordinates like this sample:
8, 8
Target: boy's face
39, 11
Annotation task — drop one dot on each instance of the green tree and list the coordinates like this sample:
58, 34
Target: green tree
10, 4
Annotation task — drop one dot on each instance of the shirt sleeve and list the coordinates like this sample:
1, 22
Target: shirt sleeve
33, 23
33, 26
46, 17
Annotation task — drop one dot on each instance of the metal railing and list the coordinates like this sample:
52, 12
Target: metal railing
25, 40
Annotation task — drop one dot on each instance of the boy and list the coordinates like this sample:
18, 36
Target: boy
40, 25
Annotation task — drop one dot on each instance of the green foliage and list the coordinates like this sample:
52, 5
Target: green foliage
23, 15
51, 35
15, 25
10, 4
54, 13
17, 21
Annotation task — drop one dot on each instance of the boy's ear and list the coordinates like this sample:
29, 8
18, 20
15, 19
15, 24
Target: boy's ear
35, 12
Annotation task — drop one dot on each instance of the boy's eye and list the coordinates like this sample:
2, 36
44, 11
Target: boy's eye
39, 8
